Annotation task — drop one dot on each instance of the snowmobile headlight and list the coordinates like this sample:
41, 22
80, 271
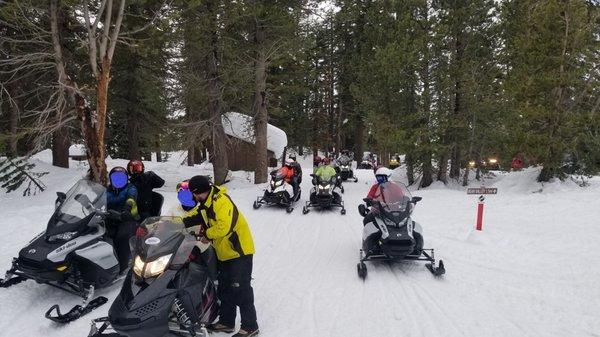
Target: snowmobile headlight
344, 167
326, 187
151, 269
66, 236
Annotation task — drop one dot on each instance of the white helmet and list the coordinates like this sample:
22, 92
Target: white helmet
288, 162
384, 171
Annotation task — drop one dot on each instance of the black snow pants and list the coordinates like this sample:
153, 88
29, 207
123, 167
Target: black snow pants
122, 233
235, 290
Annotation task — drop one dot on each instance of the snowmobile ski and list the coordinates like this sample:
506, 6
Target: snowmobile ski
78, 310
11, 279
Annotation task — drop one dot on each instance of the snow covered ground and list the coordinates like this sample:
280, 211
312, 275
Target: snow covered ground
533, 271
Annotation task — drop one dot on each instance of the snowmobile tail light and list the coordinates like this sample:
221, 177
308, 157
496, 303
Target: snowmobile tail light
66, 236
61, 268
151, 269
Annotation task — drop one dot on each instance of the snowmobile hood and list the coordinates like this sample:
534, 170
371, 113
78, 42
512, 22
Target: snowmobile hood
165, 235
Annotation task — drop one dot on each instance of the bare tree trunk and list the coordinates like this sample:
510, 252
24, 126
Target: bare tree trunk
133, 138
13, 128
197, 155
190, 156
455, 160
359, 139
218, 137
259, 108
60, 147
410, 171
443, 169
427, 174
157, 149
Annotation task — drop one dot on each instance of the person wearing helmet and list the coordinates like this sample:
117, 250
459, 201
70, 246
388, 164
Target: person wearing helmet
123, 213
325, 171
291, 176
317, 160
144, 182
382, 174
297, 167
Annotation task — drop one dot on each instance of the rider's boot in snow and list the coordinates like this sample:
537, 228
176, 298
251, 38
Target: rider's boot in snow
218, 327
246, 332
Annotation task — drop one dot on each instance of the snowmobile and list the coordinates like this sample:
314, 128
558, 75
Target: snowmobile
73, 253
368, 162
279, 193
323, 194
170, 288
345, 169
390, 234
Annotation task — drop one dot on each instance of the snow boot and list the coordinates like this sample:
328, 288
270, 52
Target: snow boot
246, 333
218, 327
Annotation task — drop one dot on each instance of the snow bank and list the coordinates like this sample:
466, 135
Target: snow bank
77, 150
240, 126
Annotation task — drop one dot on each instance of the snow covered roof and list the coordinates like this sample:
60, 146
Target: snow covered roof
77, 150
240, 126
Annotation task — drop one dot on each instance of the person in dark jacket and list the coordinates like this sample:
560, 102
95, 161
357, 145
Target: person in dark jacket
145, 182
231, 237
297, 168
123, 213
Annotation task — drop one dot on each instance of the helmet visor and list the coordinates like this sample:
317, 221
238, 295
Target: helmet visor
118, 179
186, 198
381, 178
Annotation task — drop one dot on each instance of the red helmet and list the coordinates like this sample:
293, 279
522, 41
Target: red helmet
135, 167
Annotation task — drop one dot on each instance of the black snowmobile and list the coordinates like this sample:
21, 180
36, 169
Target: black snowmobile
170, 287
390, 234
323, 194
367, 163
278, 193
344, 165
73, 253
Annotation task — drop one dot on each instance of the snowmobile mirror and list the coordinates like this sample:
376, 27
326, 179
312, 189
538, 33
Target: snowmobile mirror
416, 199
362, 210
60, 198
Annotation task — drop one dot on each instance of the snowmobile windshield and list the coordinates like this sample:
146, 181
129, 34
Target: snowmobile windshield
344, 160
82, 200
165, 236
395, 199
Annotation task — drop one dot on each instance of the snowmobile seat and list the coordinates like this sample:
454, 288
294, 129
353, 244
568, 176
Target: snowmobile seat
157, 203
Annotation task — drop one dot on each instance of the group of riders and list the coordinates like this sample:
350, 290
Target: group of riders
205, 207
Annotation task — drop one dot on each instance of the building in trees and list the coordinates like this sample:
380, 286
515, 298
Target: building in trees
241, 155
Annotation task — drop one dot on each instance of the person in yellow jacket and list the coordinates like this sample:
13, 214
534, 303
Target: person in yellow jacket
230, 234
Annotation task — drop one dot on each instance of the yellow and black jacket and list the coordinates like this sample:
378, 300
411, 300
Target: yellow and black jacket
226, 226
